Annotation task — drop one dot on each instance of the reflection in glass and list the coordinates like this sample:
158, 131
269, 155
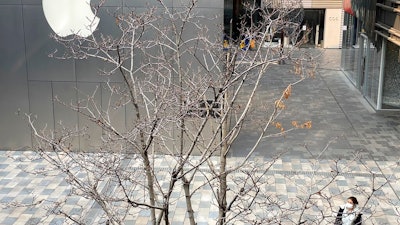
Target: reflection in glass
391, 82
372, 76
350, 49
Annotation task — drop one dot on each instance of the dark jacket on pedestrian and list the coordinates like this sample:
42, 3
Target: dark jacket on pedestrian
351, 218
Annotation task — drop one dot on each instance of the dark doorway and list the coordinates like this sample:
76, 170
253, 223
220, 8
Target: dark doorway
233, 12
313, 27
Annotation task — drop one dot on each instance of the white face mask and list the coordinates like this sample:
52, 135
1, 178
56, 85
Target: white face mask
349, 206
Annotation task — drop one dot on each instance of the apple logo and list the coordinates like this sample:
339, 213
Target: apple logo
68, 17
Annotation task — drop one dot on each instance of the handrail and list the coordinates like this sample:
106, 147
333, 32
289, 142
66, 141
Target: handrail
389, 29
388, 8
382, 34
394, 1
383, 26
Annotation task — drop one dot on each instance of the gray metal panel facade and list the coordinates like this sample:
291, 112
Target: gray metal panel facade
30, 79
41, 103
91, 89
38, 47
88, 70
13, 79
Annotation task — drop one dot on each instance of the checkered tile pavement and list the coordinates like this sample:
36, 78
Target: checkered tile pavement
338, 112
286, 180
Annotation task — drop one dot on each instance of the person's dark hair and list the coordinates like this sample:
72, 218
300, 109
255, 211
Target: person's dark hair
354, 200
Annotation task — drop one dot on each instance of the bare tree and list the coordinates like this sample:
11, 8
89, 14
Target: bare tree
189, 98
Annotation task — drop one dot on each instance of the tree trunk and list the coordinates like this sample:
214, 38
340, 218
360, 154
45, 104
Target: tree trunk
222, 192
186, 188
150, 185
222, 179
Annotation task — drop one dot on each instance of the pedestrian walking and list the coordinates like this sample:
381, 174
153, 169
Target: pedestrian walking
349, 213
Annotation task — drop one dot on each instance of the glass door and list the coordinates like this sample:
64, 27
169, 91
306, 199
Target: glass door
372, 73
359, 76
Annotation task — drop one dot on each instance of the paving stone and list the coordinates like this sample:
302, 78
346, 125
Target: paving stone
339, 117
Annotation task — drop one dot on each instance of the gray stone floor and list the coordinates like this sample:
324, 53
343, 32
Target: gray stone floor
340, 116
287, 180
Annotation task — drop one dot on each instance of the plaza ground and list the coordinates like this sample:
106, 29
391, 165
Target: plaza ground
341, 117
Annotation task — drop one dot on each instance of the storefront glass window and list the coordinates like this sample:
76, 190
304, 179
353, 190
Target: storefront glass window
350, 49
372, 76
391, 82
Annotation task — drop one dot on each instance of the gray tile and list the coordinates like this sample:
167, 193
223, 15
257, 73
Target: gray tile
9, 220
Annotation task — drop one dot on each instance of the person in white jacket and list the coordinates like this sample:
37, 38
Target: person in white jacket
349, 213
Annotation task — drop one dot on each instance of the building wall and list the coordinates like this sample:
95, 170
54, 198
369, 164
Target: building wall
30, 79
327, 4
333, 28
333, 21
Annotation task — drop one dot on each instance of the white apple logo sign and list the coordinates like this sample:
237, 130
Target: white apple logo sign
68, 17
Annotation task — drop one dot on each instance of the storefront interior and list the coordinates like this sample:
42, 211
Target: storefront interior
373, 66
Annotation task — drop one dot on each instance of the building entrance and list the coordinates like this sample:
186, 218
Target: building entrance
313, 27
